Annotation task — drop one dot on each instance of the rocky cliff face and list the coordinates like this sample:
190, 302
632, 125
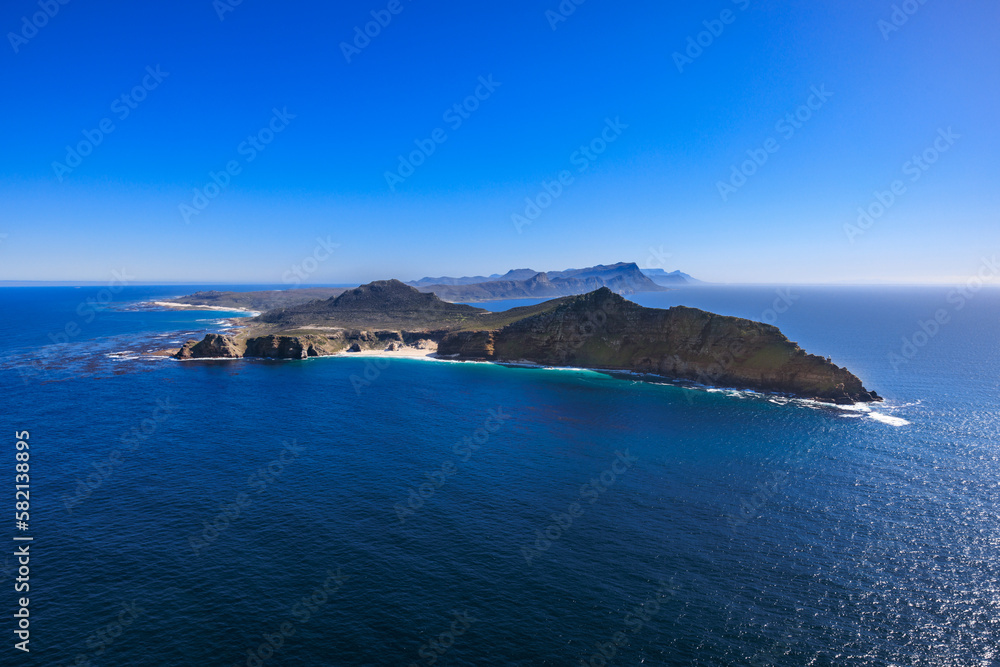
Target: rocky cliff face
218, 346
282, 346
293, 347
213, 346
595, 330
603, 330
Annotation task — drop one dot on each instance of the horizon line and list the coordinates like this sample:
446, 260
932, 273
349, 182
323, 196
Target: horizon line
241, 283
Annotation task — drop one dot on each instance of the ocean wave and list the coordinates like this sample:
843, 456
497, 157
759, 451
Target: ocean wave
888, 419
125, 355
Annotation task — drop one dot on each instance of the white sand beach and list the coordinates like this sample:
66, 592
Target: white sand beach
409, 352
187, 306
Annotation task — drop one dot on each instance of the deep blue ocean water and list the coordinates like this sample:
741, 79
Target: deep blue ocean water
189, 513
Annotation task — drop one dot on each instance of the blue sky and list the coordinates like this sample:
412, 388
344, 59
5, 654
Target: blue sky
652, 196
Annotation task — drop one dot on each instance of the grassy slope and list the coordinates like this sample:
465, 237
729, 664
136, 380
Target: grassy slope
263, 300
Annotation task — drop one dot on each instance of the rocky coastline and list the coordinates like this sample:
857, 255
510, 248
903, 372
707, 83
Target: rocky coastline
599, 330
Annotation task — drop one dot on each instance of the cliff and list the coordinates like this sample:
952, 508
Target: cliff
604, 331
598, 330
291, 345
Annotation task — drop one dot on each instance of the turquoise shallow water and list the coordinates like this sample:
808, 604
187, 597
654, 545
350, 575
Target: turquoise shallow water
562, 510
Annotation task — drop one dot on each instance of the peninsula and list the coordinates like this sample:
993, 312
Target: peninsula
600, 330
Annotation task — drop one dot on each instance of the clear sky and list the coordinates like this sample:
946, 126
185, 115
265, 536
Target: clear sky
200, 77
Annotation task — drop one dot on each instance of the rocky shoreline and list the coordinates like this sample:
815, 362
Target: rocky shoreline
599, 330
285, 346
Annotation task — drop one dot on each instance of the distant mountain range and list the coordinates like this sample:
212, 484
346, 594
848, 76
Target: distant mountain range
513, 274
661, 277
622, 278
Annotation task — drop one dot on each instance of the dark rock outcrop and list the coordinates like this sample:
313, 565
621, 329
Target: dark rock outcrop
288, 347
604, 331
213, 346
218, 346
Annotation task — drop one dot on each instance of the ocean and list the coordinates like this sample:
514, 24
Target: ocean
361, 511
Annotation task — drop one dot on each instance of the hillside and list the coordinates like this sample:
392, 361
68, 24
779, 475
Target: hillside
260, 301
598, 330
604, 331
381, 304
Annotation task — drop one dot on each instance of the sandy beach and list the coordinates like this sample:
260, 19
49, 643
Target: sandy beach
406, 352
187, 306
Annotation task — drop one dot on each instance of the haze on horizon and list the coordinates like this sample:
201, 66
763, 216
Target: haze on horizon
127, 118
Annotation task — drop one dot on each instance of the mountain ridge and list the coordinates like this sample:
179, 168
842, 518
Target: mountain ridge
622, 278
599, 330
604, 331
661, 277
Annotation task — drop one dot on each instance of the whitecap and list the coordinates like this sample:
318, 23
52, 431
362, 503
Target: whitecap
122, 356
888, 419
